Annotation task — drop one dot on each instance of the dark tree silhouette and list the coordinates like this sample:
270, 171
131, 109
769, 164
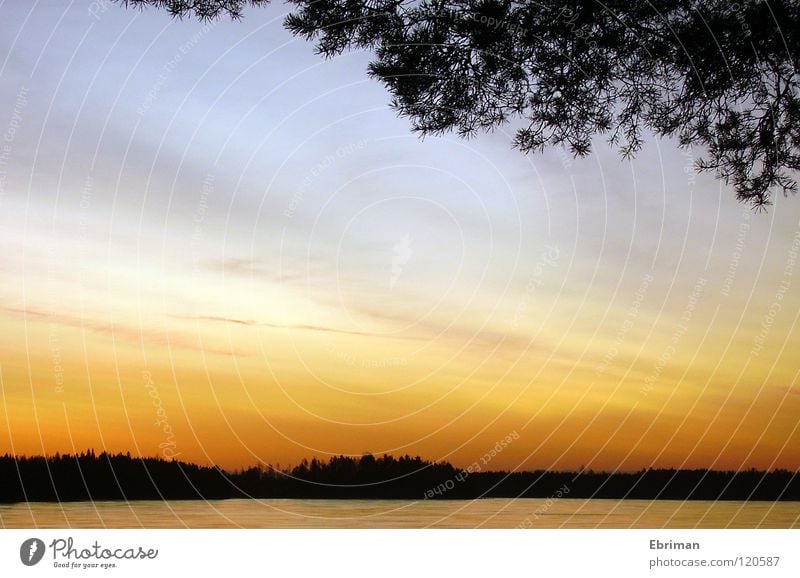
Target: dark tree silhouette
107, 476
711, 73
203, 9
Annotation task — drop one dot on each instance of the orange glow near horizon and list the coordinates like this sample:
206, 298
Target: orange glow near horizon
211, 390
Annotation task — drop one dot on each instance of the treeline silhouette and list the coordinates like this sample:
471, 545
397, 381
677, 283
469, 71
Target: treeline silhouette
104, 476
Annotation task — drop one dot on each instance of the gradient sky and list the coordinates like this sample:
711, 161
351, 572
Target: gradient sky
219, 246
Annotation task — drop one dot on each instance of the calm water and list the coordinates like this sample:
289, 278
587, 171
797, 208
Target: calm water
500, 513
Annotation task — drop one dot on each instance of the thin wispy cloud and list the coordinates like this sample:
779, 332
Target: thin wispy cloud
121, 331
288, 326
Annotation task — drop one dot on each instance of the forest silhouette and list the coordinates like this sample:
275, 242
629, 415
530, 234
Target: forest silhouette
97, 477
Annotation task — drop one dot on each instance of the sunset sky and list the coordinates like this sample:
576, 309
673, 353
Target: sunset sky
219, 246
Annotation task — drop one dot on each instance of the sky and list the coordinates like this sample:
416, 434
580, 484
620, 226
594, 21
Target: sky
219, 247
